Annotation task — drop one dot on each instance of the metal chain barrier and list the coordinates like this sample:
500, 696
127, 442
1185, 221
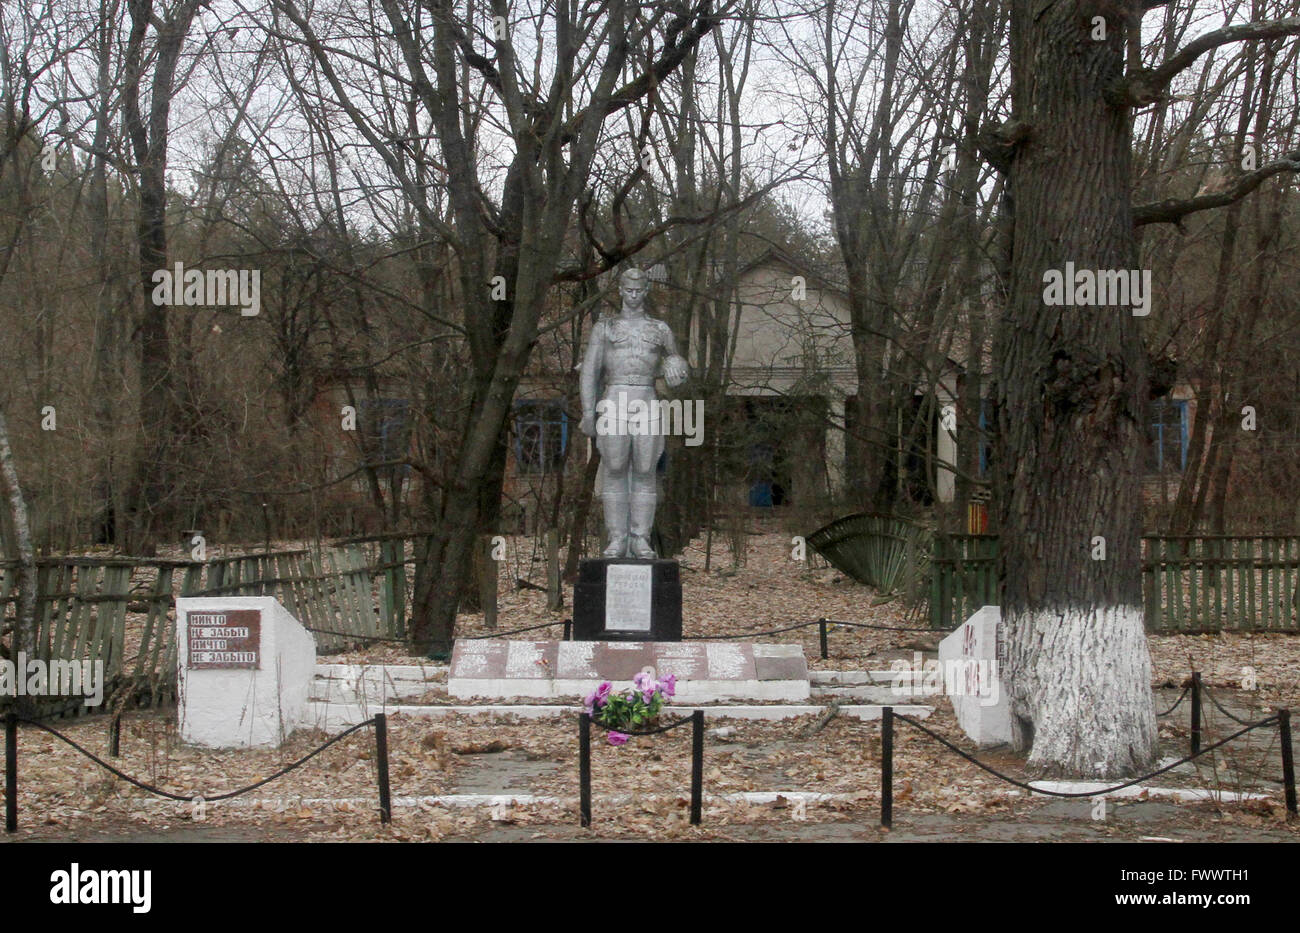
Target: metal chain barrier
668, 728
824, 624
886, 628
379, 722
1219, 706
775, 631
532, 628
1282, 718
696, 719
1177, 702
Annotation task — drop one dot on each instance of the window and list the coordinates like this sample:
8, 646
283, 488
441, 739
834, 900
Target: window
1168, 430
541, 435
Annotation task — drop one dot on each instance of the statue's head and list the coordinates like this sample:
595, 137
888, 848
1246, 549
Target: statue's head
633, 285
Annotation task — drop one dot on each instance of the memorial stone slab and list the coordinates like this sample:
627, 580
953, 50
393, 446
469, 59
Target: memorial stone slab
628, 593
971, 659
244, 671
705, 671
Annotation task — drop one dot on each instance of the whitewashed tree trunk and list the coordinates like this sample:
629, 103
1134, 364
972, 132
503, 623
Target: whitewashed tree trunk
1083, 687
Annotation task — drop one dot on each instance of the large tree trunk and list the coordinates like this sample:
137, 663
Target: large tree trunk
1072, 390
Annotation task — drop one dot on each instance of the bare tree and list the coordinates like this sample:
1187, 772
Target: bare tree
548, 124
1072, 383
147, 127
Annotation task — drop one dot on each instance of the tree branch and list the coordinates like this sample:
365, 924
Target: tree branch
1173, 210
1147, 85
681, 39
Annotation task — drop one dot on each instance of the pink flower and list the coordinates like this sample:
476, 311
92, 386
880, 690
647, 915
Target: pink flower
645, 683
669, 685
617, 738
602, 693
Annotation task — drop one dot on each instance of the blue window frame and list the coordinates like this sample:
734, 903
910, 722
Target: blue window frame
541, 435
386, 431
986, 415
1168, 432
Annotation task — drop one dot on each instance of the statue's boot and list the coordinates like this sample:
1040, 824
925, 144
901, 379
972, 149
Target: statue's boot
616, 522
642, 520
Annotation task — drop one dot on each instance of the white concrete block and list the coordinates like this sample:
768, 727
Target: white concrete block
970, 664
236, 687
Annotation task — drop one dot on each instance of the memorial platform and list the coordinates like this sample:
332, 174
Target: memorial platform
706, 671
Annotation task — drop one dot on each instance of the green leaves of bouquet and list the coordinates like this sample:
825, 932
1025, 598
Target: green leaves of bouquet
633, 710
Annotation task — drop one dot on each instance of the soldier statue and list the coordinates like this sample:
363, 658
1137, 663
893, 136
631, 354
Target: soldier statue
629, 351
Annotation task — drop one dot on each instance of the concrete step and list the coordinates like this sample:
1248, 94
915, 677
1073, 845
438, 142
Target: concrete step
874, 693
851, 678
373, 683
334, 716
428, 671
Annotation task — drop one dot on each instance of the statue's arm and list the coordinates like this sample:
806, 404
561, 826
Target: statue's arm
589, 380
675, 367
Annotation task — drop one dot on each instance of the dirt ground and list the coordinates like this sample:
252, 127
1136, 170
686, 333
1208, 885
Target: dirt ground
1144, 821
641, 789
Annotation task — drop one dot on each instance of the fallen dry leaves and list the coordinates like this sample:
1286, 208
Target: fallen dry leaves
333, 797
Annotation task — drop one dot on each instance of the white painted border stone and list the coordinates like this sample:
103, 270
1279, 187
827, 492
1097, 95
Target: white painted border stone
506, 798
1137, 790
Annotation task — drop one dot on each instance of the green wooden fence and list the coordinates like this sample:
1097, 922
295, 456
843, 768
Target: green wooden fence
963, 577
1213, 583
121, 611
1203, 583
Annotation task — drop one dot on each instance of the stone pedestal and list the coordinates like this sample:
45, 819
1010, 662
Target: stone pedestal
625, 599
971, 659
244, 671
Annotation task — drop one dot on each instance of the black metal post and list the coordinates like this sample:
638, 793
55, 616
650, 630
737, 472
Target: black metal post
381, 757
697, 765
887, 767
1288, 763
11, 772
568, 630
584, 769
821, 625
1196, 712
115, 736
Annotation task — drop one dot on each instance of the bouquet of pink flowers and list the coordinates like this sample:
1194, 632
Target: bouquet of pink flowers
638, 707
